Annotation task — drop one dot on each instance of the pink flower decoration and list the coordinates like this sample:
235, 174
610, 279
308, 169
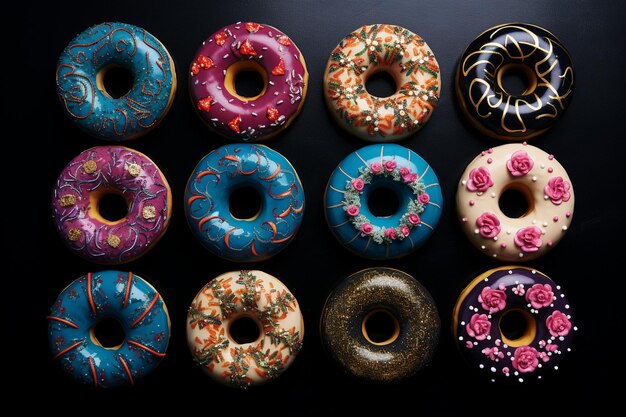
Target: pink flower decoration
367, 228
352, 210
506, 370
540, 295
390, 165
390, 233
525, 359
376, 167
519, 290
528, 239
414, 219
552, 347
519, 164
478, 327
358, 184
423, 198
557, 190
558, 324
479, 180
407, 175
405, 230
492, 300
488, 225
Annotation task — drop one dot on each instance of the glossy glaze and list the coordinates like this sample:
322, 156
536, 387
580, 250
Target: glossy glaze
408, 176
129, 299
228, 168
407, 58
104, 170
85, 101
531, 49
372, 290
252, 294
549, 325
546, 187
255, 46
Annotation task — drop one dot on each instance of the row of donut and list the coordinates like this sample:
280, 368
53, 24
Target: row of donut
503, 49
345, 329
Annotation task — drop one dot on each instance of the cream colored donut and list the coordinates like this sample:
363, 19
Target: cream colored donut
539, 177
226, 299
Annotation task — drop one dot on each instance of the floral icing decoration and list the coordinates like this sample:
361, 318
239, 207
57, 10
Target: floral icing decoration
479, 180
520, 164
557, 190
528, 239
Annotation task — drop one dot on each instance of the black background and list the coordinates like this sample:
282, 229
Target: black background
588, 141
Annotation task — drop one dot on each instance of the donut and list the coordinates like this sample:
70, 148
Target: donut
229, 298
227, 169
367, 51
541, 180
80, 78
533, 53
513, 324
95, 174
399, 170
253, 47
404, 343
93, 299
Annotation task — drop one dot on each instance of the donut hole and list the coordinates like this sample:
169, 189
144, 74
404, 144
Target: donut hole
516, 80
381, 84
383, 202
115, 81
108, 333
380, 327
244, 203
514, 202
112, 207
246, 80
517, 327
244, 329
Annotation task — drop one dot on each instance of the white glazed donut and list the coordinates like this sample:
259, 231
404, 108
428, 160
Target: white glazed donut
539, 177
230, 297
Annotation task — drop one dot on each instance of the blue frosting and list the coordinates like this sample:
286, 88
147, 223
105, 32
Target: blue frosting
403, 172
83, 97
130, 300
231, 167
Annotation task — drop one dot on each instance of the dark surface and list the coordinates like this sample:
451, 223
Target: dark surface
588, 141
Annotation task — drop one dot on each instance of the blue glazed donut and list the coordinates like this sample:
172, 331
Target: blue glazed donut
227, 169
80, 74
403, 172
89, 300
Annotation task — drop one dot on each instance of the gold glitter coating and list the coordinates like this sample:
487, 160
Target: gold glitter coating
134, 169
74, 234
148, 212
397, 293
90, 166
67, 200
114, 240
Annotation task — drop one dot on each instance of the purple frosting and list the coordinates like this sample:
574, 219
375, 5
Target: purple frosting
111, 170
236, 117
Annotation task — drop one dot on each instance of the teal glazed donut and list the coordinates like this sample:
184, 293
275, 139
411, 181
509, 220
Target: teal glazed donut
107, 295
227, 169
80, 86
403, 172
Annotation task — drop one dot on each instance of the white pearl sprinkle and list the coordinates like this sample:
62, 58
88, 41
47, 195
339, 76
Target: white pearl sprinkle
493, 195
476, 231
481, 366
545, 224
495, 238
493, 369
483, 247
564, 228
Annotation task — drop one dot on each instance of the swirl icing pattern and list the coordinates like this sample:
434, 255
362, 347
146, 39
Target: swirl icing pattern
371, 49
88, 300
79, 79
223, 171
527, 48
104, 170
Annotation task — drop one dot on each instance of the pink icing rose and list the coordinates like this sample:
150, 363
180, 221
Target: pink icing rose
479, 180
478, 327
367, 228
407, 175
540, 295
414, 219
557, 190
525, 359
405, 230
519, 164
358, 184
488, 225
492, 300
558, 324
390, 233
376, 167
352, 210
528, 239
424, 198
390, 165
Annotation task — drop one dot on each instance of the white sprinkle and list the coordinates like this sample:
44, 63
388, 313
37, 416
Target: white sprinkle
521, 255
264, 48
567, 306
223, 109
558, 287
279, 102
508, 232
516, 373
231, 100
534, 178
545, 197
271, 82
538, 376
460, 337
204, 82
493, 369
493, 195
510, 272
481, 366
564, 228
217, 86
495, 255
569, 349
275, 93
545, 224
534, 222
464, 182
224, 74
556, 368
495, 238
269, 34
196, 82
476, 231
254, 114
483, 247
575, 328
462, 323
296, 56
542, 166
521, 379
215, 119
251, 104
225, 56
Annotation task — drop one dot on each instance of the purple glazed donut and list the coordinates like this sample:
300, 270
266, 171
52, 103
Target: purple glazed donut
96, 173
248, 47
513, 323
